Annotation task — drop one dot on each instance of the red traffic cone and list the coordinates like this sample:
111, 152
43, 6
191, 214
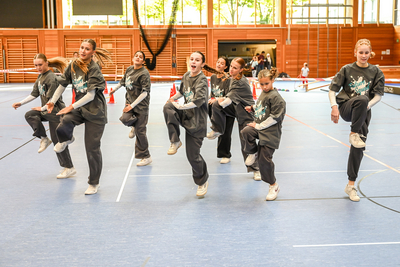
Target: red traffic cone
112, 101
73, 96
254, 92
173, 91
106, 90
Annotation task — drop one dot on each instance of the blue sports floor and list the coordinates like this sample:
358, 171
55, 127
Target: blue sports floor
150, 216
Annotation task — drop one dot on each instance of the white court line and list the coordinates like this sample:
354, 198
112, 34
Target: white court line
236, 173
349, 244
126, 177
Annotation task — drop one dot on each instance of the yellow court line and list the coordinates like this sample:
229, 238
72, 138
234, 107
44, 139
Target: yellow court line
368, 156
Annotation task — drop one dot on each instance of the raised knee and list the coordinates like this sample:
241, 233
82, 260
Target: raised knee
167, 107
29, 114
363, 100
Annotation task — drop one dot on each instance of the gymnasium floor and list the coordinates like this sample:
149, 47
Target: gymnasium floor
150, 216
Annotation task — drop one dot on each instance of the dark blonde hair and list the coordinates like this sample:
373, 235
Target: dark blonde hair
242, 65
364, 42
271, 74
100, 54
59, 63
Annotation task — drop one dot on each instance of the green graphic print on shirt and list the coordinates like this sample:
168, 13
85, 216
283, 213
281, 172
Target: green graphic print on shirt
360, 86
259, 111
128, 83
41, 89
80, 85
216, 91
188, 95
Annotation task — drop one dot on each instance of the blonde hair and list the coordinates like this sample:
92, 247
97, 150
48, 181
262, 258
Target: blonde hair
271, 74
59, 63
364, 42
100, 54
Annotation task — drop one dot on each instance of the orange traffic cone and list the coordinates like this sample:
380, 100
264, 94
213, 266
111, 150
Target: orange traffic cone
254, 92
112, 101
106, 90
73, 96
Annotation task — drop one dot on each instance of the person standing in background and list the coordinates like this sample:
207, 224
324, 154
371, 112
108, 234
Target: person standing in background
261, 62
304, 74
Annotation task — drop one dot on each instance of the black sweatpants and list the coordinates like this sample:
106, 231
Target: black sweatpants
139, 121
93, 134
224, 140
219, 122
35, 119
173, 118
356, 111
264, 154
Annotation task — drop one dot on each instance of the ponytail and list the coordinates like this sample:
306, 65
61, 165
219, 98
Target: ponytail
212, 70
271, 74
59, 63
56, 62
100, 54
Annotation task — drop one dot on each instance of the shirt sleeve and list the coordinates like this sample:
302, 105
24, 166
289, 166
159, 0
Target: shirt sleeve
145, 82
379, 84
122, 81
65, 78
95, 78
278, 108
338, 81
201, 90
35, 92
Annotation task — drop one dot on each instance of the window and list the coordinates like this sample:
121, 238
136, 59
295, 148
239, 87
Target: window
245, 12
319, 11
371, 10
386, 12
158, 12
71, 20
267, 11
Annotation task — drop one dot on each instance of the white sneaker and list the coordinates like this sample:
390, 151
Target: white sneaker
356, 141
92, 189
257, 176
273, 192
60, 147
144, 162
202, 189
352, 192
132, 133
174, 148
251, 158
44, 143
212, 135
225, 160
66, 173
